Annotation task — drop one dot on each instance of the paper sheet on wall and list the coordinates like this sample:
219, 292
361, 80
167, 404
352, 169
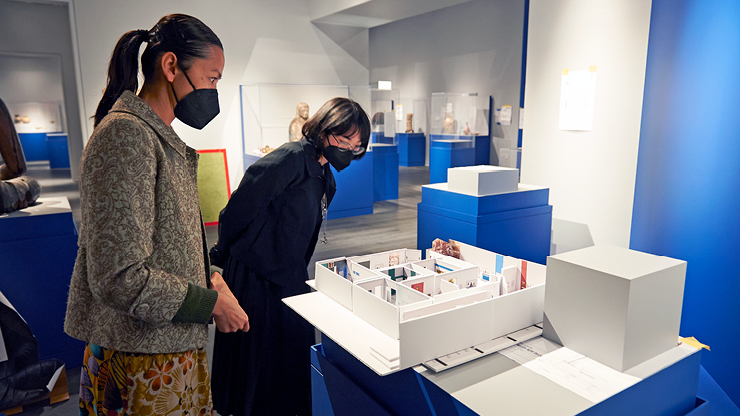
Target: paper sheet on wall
577, 94
576, 372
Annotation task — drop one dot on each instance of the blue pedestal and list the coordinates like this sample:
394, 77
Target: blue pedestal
38, 247
56, 144
354, 189
342, 385
516, 224
385, 172
379, 137
482, 150
444, 154
34, 146
411, 149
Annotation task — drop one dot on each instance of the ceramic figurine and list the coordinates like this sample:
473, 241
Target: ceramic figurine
296, 126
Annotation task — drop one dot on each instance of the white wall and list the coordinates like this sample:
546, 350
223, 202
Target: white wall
470, 47
265, 41
591, 174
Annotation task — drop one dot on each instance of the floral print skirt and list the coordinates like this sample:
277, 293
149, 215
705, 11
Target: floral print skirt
121, 383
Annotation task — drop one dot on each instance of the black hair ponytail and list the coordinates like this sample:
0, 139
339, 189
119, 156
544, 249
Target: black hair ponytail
123, 70
185, 36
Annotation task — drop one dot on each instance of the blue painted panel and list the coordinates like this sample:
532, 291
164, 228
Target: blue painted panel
713, 393
354, 189
18, 228
482, 150
41, 268
403, 392
34, 146
482, 205
336, 393
431, 226
445, 155
522, 233
702, 408
376, 137
411, 149
58, 151
688, 175
320, 403
385, 173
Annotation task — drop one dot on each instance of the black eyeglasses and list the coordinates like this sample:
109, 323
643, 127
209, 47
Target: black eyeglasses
347, 147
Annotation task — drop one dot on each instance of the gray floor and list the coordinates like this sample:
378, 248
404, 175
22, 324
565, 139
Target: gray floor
392, 225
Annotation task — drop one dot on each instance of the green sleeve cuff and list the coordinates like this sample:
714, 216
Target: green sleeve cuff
198, 305
215, 269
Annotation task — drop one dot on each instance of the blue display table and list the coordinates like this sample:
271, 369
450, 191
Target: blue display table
342, 385
448, 153
379, 137
38, 247
411, 149
56, 144
34, 146
516, 224
385, 172
354, 189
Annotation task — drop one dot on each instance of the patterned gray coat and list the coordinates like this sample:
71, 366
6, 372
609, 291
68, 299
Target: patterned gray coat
142, 240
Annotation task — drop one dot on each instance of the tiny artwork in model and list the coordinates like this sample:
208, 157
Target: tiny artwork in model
295, 130
449, 124
16, 191
451, 249
409, 123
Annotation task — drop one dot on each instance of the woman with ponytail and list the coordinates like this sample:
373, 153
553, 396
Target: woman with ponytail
142, 291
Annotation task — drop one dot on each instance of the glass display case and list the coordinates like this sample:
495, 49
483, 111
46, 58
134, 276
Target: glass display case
458, 116
273, 113
383, 116
420, 118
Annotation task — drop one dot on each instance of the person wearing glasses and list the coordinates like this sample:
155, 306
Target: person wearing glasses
267, 235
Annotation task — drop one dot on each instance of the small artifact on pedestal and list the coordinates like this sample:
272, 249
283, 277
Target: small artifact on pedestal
449, 124
409, 124
16, 191
466, 130
295, 131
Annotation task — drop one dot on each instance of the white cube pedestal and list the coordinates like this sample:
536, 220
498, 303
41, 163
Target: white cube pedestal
482, 180
615, 305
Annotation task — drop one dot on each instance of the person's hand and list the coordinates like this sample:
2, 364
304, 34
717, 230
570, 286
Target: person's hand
228, 314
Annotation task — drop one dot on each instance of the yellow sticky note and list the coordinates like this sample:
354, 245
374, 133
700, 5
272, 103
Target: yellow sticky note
565, 71
693, 342
592, 68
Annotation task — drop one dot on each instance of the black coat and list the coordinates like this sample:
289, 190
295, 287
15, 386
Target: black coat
272, 221
269, 231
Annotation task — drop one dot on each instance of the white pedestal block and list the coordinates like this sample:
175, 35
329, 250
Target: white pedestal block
615, 305
482, 180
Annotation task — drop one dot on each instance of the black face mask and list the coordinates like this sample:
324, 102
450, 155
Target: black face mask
197, 108
338, 158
